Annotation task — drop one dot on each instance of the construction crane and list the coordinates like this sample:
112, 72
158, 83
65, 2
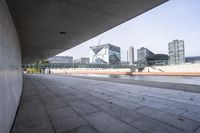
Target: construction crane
100, 40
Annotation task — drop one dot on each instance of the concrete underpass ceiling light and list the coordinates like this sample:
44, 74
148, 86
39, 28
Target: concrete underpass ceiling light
63, 32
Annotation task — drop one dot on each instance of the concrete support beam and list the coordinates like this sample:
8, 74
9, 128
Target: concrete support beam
48, 27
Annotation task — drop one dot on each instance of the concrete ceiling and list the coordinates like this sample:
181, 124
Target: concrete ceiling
48, 27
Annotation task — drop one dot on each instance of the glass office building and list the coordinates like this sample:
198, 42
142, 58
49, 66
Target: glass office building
82, 60
60, 59
148, 58
176, 52
157, 60
193, 59
105, 54
142, 55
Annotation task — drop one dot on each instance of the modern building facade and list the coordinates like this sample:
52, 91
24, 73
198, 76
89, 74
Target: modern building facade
105, 54
142, 55
192, 59
148, 58
157, 60
176, 52
131, 55
60, 59
82, 60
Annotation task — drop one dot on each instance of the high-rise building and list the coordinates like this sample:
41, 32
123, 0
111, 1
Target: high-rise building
105, 54
176, 52
82, 60
142, 55
131, 55
60, 59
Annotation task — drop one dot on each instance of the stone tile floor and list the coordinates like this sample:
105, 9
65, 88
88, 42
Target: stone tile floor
61, 104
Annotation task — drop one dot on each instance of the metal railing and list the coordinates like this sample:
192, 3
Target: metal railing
76, 65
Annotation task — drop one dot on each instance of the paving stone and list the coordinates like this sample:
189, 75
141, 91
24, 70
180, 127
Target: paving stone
67, 97
30, 99
29, 92
77, 105
174, 110
95, 100
102, 96
83, 107
121, 112
191, 115
125, 104
41, 90
188, 107
173, 120
83, 129
47, 95
32, 111
53, 103
186, 101
107, 92
41, 125
65, 119
159, 100
149, 125
105, 123
142, 101
81, 94
197, 130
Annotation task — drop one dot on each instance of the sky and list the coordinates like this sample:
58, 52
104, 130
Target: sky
175, 19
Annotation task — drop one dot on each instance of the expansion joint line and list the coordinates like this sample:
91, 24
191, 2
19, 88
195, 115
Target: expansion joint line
45, 108
196, 129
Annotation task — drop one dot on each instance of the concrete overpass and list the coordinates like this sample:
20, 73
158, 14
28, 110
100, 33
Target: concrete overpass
31, 30
46, 28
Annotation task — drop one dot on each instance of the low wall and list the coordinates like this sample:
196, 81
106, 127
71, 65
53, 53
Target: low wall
178, 70
167, 73
90, 71
187, 68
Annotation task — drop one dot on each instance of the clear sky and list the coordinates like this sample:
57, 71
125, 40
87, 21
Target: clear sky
175, 19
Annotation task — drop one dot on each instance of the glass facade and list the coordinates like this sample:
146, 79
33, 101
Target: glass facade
60, 59
82, 60
142, 55
176, 52
194, 59
105, 54
157, 60
148, 58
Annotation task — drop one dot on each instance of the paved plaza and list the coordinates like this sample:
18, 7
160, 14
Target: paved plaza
62, 104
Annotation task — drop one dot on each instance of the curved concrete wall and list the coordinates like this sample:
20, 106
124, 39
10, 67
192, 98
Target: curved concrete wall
10, 69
